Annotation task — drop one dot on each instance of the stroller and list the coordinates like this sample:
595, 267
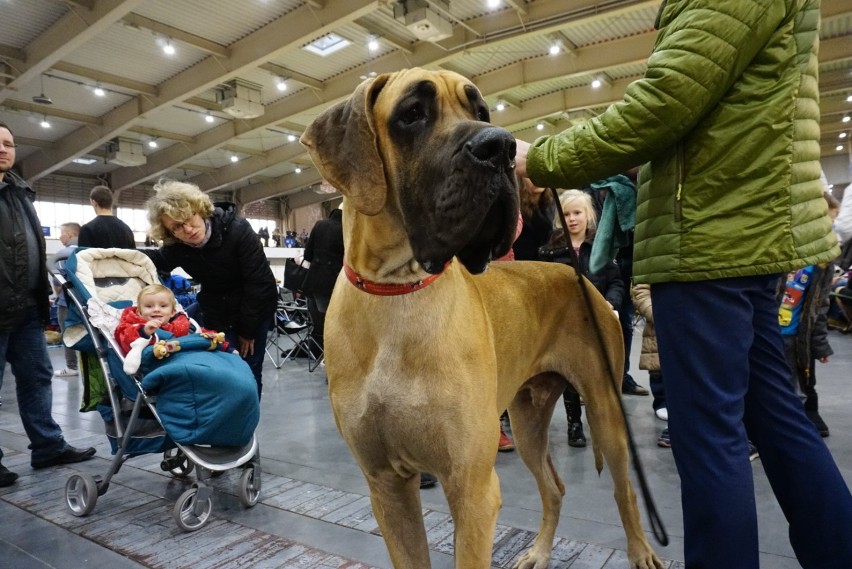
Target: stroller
188, 400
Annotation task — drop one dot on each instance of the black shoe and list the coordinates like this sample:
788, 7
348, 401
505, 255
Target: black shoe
427, 480
576, 438
818, 423
67, 456
7, 477
630, 387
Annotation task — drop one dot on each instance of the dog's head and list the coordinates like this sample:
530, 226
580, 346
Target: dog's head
419, 141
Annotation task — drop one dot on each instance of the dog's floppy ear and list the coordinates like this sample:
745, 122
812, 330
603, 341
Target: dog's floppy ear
342, 143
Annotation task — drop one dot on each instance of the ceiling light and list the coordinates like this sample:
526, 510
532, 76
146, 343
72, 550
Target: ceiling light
44, 123
845, 119
291, 138
849, 99
493, 3
168, 48
42, 99
152, 143
539, 126
85, 161
555, 49
843, 134
373, 43
208, 117
235, 158
281, 84
839, 147
501, 106
298, 170
596, 83
99, 92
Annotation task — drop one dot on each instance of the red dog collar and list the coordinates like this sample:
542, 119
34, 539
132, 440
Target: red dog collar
385, 289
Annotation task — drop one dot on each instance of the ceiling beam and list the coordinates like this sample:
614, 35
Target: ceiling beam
287, 32
394, 40
245, 169
282, 71
105, 78
423, 54
157, 133
280, 186
49, 111
205, 45
77, 27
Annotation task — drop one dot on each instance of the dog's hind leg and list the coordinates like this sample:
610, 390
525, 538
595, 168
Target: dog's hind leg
530, 413
609, 439
396, 505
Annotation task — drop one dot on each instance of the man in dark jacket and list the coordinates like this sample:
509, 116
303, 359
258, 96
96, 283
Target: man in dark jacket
23, 312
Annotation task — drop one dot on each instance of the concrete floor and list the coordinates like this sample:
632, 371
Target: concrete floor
302, 449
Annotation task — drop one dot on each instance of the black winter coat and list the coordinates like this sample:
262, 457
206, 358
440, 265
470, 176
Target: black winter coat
608, 280
324, 251
13, 262
237, 286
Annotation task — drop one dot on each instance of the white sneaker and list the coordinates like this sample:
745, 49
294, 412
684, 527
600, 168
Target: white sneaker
662, 414
65, 372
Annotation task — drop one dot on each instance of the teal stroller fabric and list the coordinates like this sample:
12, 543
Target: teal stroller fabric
204, 395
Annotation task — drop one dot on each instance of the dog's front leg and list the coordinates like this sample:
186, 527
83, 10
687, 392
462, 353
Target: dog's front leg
396, 505
475, 500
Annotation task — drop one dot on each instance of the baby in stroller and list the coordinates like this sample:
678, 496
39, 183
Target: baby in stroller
155, 309
182, 396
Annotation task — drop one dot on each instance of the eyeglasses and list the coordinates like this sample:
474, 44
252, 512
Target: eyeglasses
8, 145
180, 227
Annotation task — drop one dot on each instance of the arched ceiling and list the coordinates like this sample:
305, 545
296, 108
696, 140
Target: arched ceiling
64, 50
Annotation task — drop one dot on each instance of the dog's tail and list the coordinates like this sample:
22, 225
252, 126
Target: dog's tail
605, 324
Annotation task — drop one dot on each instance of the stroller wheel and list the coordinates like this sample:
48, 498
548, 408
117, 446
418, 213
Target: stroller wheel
81, 494
249, 490
188, 513
177, 463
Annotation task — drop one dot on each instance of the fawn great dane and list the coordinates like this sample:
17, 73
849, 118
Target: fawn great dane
425, 347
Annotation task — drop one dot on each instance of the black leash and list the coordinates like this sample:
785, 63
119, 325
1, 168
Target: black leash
654, 518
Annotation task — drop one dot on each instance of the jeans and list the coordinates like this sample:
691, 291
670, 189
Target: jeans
727, 381
26, 351
254, 361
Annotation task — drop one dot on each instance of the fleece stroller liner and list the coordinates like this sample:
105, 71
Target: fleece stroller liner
204, 396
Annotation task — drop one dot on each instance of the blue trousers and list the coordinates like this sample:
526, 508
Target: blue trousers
26, 351
254, 361
726, 381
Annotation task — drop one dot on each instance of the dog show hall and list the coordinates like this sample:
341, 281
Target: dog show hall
372, 440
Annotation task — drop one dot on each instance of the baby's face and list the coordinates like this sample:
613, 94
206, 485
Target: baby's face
158, 306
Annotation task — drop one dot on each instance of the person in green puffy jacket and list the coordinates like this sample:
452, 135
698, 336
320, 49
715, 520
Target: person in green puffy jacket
726, 124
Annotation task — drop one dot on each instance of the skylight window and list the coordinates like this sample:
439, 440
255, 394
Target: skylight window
327, 44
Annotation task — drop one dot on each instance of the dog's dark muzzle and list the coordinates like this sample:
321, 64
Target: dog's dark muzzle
492, 148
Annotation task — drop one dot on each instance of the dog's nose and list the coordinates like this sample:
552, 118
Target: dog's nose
493, 147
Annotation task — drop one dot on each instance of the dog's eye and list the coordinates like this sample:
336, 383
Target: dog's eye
413, 115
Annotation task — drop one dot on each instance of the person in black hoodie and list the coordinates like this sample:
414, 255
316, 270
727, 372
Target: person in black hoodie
221, 252
324, 252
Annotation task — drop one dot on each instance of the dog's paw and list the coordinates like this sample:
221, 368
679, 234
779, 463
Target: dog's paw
644, 558
532, 560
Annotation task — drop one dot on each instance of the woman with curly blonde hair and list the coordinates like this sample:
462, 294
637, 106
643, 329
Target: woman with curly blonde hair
221, 252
